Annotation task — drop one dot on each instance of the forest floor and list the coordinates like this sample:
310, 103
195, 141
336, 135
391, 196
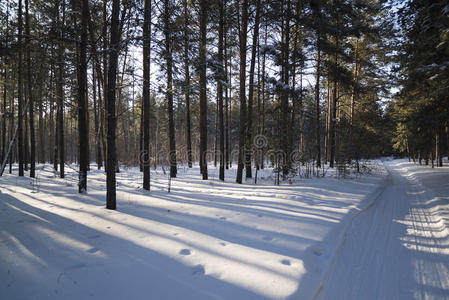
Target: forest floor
376, 236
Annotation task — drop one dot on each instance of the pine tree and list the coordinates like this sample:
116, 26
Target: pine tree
110, 107
146, 94
204, 5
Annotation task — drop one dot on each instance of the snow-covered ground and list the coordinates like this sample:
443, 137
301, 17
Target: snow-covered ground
218, 240
399, 247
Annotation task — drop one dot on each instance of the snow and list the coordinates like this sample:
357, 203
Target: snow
219, 240
398, 248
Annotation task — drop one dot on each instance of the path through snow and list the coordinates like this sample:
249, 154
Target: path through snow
399, 247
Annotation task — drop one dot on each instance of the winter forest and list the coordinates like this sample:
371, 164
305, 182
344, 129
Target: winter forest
228, 140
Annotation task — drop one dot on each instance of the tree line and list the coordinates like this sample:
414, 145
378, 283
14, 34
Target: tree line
168, 82
421, 108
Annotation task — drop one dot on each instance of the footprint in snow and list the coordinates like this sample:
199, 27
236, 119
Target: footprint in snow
317, 252
185, 252
267, 238
223, 244
223, 218
93, 250
286, 262
198, 270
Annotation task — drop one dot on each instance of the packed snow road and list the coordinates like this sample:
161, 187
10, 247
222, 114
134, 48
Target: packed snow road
398, 248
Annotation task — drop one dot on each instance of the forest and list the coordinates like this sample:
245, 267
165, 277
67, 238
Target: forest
291, 84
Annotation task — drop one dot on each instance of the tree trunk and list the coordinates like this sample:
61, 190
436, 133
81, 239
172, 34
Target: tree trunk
20, 92
145, 155
187, 85
249, 130
264, 55
227, 92
30, 96
4, 114
317, 103
169, 91
110, 107
60, 99
103, 117
96, 121
284, 95
242, 89
203, 89
333, 116
221, 78
82, 102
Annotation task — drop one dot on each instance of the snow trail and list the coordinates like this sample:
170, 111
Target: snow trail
399, 247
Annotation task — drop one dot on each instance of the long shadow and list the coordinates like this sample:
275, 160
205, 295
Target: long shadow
52, 265
226, 230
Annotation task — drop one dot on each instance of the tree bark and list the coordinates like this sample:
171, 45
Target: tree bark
145, 155
227, 92
242, 88
169, 90
82, 102
59, 137
20, 92
110, 107
203, 88
333, 116
249, 130
30, 95
317, 103
187, 85
221, 79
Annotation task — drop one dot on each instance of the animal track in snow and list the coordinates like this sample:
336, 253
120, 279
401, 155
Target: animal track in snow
185, 252
286, 262
93, 250
198, 270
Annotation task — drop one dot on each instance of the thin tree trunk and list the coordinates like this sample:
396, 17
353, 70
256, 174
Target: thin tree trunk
82, 104
96, 121
216, 133
262, 163
30, 95
227, 92
11, 123
41, 130
285, 93
4, 113
110, 107
187, 85
221, 79
249, 130
146, 95
317, 103
242, 89
60, 98
333, 117
20, 92
203, 91
103, 117
169, 91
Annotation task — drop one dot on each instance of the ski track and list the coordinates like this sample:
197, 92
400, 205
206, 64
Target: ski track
398, 248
